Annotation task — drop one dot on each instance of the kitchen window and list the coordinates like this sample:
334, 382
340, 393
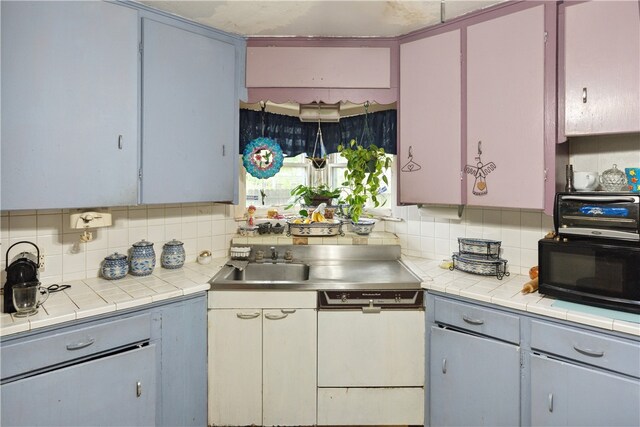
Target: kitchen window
275, 191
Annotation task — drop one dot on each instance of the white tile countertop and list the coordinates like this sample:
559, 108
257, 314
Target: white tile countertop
506, 293
90, 297
94, 296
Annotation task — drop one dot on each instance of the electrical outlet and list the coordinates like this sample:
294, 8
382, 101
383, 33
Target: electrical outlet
41, 261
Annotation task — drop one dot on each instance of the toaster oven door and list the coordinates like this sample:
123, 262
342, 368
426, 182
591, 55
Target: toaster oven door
602, 215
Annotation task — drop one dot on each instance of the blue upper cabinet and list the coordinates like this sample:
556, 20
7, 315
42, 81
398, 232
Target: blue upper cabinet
189, 115
69, 104
105, 104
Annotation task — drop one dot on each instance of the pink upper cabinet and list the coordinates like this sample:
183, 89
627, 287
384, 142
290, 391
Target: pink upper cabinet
505, 110
330, 71
430, 120
338, 67
602, 67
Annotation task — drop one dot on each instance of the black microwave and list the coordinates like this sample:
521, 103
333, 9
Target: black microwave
600, 272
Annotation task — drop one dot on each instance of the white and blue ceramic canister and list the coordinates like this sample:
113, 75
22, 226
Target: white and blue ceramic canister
115, 266
143, 258
172, 254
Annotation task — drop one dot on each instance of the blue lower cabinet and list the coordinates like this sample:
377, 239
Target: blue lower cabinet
139, 367
474, 381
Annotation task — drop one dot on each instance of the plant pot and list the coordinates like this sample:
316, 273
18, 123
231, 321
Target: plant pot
318, 162
315, 201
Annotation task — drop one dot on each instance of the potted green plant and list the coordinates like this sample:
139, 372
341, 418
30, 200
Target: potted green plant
364, 175
313, 196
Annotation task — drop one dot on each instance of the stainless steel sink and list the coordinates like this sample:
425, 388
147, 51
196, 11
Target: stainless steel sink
269, 272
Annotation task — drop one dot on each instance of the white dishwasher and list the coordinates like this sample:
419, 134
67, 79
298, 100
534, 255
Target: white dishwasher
371, 355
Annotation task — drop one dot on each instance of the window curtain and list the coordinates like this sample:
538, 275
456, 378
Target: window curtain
296, 137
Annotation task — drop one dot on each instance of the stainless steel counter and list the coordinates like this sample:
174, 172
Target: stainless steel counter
330, 267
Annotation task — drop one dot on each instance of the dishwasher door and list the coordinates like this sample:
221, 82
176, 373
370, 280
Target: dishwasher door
383, 349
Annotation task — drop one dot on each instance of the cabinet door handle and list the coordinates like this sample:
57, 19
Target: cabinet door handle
119, 142
289, 311
247, 315
275, 316
81, 344
472, 321
550, 402
138, 389
584, 95
588, 352
444, 366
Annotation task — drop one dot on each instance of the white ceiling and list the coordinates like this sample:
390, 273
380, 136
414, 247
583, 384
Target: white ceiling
328, 18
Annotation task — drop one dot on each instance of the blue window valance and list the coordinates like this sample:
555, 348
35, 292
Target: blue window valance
296, 137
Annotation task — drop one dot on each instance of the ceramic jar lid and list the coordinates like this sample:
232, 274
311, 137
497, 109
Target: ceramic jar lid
174, 242
142, 243
115, 257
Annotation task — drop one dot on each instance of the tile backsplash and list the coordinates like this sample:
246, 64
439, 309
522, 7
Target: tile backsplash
437, 238
207, 226
599, 153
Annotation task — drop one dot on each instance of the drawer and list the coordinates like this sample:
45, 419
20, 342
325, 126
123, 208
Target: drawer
371, 406
615, 354
262, 299
485, 321
60, 347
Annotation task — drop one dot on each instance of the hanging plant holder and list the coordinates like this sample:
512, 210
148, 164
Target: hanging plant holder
319, 148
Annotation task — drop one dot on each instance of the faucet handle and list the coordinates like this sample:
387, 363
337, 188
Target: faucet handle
288, 255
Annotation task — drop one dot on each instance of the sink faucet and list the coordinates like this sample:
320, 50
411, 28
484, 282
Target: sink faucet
274, 253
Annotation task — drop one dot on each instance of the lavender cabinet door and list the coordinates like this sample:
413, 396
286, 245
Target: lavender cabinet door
505, 111
189, 116
430, 120
602, 67
69, 104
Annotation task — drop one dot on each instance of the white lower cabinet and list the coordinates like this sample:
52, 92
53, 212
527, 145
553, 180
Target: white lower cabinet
371, 367
262, 361
370, 406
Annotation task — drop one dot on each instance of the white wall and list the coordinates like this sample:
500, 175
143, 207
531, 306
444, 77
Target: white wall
200, 226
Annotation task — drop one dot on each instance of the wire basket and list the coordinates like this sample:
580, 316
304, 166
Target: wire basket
479, 264
240, 253
487, 248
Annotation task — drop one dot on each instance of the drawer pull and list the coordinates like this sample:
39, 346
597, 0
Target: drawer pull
550, 402
588, 352
288, 311
80, 345
472, 321
247, 315
444, 366
275, 316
